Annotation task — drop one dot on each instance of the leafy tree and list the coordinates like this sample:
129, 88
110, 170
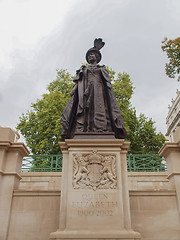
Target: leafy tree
172, 49
143, 136
42, 130
140, 130
40, 126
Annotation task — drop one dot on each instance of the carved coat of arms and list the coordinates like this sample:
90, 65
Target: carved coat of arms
94, 171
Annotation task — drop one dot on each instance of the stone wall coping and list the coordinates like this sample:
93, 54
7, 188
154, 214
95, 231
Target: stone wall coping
152, 193
41, 174
18, 193
59, 174
147, 174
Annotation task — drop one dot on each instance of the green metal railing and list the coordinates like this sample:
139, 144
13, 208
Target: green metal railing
42, 163
146, 163
53, 163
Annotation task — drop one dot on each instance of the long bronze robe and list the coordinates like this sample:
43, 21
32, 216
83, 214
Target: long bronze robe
93, 106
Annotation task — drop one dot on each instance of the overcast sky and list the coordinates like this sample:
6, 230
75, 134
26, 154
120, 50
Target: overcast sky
40, 36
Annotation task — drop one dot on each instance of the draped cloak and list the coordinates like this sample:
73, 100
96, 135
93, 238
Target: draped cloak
93, 105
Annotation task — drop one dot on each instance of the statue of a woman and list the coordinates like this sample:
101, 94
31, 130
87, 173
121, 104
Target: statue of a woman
92, 109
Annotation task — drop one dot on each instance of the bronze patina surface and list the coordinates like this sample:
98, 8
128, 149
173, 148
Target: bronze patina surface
93, 108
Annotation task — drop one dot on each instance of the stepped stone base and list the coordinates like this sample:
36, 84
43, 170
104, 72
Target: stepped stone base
90, 235
94, 196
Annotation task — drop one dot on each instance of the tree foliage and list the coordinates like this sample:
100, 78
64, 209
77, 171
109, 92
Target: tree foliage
40, 126
142, 134
141, 131
172, 49
42, 130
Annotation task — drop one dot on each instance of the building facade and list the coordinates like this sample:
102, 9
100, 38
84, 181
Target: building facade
173, 117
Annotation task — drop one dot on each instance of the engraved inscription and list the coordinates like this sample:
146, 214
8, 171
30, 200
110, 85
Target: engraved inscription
94, 171
95, 205
95, 213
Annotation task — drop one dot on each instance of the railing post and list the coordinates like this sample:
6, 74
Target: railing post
51, 157
56, 162
128, 162
134, 162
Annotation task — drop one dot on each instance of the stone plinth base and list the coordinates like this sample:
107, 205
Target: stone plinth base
90, 235
94, 195
92, 135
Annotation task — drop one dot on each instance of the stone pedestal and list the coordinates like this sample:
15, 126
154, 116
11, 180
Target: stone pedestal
11, 154
171, 152
94, 195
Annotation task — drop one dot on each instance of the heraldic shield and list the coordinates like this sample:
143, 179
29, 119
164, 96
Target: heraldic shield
94, 171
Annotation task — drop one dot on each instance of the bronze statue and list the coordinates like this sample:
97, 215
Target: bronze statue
92, 110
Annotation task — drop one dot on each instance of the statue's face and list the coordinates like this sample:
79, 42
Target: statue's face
92, 58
